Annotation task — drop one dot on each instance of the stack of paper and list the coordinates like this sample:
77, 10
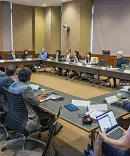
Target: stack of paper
34, 87
94, 114
111, 99
97, 107
81, 103
125, 89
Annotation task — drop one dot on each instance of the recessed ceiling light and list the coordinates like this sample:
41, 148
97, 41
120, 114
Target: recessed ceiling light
44, 4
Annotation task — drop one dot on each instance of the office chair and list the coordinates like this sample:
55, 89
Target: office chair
102, 63
2, 117
49, 149
16, 119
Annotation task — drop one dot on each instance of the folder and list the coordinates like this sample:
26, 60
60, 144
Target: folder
71, 107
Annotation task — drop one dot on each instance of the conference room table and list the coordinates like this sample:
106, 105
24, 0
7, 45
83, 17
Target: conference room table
90, 69
52, 107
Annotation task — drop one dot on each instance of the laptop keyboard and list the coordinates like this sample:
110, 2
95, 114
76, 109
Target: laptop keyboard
116, 134
117, 104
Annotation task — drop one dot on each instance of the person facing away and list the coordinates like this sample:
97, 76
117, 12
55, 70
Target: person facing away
35, 116
13, 55
43, 54
1, 57
5, 81
120, 59
25, 54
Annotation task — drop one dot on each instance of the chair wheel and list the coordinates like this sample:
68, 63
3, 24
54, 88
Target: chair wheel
8, 138
39, 136
3, 149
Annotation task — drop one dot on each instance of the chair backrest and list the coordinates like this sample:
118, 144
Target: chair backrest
17, 115
102, 62
50, 149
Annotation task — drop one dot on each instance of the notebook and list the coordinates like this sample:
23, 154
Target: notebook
71, 107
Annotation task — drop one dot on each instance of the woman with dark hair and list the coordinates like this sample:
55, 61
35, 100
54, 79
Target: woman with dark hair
59, 58
88, 57
25, 54
77, 56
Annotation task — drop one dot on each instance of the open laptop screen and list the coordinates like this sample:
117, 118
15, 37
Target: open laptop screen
107, 121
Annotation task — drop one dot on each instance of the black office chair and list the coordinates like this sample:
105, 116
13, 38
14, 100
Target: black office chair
49, 149
102, 81
2, 117
16, 119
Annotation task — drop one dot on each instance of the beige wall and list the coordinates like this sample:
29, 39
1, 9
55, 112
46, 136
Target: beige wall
6, 23
39, 29
52, 29
85, 25
71, 17
1, 35
47, 39
56, 29
77, 15
22, 27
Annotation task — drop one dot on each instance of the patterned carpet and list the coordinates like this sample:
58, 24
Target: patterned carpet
71, 141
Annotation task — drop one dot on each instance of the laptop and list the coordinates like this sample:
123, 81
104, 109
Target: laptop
29, 57
108, 122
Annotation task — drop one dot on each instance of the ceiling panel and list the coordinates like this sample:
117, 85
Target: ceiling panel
38, 2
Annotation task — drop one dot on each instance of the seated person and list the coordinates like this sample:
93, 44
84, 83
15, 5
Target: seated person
5, 81
91, 60
2, 68
43, 54
109, 147
120, 60
59, 58
25, 54
13, 55
77, 58
35, 115
67, 58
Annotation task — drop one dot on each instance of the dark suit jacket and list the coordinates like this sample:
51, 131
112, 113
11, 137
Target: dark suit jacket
11, 56
120, 62
6, 84
1, 58
23, 56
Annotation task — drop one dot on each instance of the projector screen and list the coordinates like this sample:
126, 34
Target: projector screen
111, 26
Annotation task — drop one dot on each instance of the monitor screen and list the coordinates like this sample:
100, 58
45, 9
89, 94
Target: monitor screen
107, 121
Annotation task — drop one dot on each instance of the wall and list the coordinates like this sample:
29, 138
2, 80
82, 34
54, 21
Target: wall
78, 16
111, 26
39, 29
47, 39
22, 27
71, 17
6, 24
56, 29
1, 35
85, 25
52, 29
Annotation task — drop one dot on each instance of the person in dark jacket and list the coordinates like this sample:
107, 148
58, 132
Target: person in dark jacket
13, 55
25, 54
120, 61
5, 81
2, 68
59, 58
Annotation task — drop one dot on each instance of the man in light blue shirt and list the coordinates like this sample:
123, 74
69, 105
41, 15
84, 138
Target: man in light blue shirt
43, 54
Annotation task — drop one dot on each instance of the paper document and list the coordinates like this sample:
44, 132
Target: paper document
126, 71
125, 89
54, 96
112, 68
88, 65
81, 103
45, 99
34, 87
1, 61
98, 107
94, 114
111, 99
